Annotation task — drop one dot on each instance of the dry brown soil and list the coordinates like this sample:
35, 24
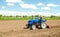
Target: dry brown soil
15, 28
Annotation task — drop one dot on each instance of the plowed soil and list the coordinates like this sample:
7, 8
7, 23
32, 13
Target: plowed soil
15, 28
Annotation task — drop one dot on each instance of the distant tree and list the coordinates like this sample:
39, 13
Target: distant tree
24, 16
36, 15
32, 16
17, 16
10, 16
52, 16
0, 15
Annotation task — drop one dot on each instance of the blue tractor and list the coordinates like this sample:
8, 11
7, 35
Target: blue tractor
36, 23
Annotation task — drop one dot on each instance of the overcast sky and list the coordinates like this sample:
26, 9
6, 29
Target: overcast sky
30, 7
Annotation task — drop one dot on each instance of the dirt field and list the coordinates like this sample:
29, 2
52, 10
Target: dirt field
15, 28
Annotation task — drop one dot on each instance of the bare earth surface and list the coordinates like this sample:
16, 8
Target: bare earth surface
15, 28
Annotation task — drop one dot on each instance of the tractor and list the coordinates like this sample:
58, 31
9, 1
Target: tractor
36, 23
